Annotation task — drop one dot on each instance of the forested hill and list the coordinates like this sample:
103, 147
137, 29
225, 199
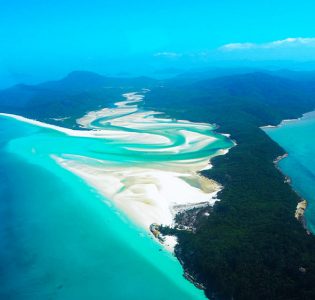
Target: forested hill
267, 98
72, 96
250, 247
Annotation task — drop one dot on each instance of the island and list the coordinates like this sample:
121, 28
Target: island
248, 245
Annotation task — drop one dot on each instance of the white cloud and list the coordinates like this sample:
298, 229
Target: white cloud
289, 42
168, 54
296, 48
237, 46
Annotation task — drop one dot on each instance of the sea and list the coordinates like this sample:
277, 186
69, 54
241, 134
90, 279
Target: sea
297, 137
60, 239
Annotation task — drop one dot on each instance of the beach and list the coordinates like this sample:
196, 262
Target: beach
145, 165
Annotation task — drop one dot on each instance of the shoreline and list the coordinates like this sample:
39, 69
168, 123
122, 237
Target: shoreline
175, 208
302, 205
148, 193
285, 121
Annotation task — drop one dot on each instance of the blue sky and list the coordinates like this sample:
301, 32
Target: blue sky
46, 39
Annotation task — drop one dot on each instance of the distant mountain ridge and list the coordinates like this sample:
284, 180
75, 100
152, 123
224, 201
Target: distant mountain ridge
82, 91
72, 96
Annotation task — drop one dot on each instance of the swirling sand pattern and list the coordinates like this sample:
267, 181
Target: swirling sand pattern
145, 164
160, 159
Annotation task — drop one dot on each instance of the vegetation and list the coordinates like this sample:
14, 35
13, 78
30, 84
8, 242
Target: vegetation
251, 246
70, 97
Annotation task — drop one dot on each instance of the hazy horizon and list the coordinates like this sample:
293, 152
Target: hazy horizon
44, 41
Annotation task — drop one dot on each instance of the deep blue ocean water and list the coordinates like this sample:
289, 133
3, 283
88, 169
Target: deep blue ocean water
297, 137
58, 240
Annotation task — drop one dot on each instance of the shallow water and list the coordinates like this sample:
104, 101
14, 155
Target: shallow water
60, 238
297, 137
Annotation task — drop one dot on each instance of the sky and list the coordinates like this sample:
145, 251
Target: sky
43, 40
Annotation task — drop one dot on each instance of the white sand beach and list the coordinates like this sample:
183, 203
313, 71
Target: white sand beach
161, 173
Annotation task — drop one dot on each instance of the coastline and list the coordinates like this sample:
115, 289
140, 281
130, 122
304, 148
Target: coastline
210, 188
252, 231
285, 121
302, 205
154, 192
72, 232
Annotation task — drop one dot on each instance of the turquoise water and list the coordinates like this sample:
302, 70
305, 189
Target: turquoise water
60, 239
298, 139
